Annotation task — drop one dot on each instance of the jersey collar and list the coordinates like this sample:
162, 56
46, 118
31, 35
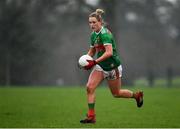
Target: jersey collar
100, 30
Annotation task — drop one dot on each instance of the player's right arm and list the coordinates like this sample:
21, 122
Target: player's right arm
92, 51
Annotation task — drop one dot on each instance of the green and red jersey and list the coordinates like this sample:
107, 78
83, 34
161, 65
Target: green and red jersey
99, 40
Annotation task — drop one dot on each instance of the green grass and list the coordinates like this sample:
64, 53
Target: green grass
64, 107
160, 82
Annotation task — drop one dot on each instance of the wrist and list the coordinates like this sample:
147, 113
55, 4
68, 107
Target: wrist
95, 62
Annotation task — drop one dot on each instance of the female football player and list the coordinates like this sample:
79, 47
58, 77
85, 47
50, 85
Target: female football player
106, 66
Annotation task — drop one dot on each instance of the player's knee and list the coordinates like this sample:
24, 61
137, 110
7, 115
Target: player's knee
90, 90
116, 94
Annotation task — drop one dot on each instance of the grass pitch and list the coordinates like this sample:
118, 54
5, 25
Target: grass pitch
64, 107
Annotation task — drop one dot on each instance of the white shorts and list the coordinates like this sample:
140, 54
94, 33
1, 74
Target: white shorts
110, 75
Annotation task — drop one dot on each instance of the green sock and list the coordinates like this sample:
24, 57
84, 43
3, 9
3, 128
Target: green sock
91, 105
91, 111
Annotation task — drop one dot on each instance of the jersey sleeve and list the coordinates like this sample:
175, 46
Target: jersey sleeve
106, 39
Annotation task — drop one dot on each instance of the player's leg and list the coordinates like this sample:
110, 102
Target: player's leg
94, 80
115, 87
114, 83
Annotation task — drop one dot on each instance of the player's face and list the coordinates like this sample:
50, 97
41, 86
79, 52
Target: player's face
94, 24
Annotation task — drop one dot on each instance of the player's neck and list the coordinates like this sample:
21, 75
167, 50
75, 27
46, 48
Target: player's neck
99, 30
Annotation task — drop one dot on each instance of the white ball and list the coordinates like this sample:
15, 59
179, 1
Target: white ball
83, 60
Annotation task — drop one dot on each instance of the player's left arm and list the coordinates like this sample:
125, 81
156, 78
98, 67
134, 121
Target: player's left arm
108, 53
107, 42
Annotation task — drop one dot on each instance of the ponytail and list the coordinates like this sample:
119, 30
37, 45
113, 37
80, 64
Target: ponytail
100, 11
98, 14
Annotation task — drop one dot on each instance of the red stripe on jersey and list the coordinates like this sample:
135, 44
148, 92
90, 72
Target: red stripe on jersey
100, 48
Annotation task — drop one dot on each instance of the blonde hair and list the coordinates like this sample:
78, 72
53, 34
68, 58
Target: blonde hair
98, 14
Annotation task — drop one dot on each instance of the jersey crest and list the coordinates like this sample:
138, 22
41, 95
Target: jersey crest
97, 40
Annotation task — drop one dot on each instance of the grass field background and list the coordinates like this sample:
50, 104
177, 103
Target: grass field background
63, 107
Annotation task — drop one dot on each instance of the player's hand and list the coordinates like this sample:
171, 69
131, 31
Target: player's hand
90, 65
